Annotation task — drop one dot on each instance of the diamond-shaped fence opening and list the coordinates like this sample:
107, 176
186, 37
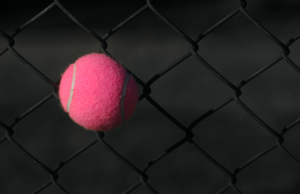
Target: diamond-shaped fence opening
218, 107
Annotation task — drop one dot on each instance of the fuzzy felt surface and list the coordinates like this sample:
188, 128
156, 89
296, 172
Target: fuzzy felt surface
97, 92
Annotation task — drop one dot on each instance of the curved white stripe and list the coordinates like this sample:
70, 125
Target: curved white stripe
123, 96
71, 90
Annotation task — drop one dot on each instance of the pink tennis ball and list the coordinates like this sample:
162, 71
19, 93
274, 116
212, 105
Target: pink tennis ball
97, 92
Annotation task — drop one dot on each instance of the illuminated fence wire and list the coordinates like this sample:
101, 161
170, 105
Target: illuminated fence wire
237, 92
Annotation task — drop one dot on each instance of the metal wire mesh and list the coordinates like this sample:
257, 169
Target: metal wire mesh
143, 172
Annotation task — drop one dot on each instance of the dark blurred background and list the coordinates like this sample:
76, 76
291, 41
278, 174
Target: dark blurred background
146, 45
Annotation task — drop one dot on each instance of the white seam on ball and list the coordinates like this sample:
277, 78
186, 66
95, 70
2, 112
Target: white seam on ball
72, 88
123, 96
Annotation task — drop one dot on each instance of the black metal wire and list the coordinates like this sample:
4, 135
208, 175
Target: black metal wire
188, 137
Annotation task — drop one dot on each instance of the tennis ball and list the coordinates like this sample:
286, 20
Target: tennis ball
97, 92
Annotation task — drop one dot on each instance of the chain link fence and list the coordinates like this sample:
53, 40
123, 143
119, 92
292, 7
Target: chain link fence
219, 98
